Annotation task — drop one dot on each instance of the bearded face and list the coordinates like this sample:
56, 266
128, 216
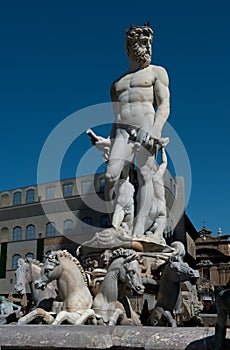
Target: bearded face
139, 44
142, 54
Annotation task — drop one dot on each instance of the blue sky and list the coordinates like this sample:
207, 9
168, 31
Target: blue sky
58, 57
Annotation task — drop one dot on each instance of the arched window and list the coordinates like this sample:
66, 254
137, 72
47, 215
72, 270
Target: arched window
17, 198
29, 256
104, 221
4, 234
5, 200
50, 229
17, 233
68, 227
88, 220
15, 258
30, 196
30, 232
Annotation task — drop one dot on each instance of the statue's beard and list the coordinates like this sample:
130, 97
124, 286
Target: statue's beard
142, 55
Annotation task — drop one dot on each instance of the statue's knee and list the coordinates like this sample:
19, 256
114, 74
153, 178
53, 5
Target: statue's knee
111, 178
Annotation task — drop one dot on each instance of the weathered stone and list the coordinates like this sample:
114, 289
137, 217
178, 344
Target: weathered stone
103, 337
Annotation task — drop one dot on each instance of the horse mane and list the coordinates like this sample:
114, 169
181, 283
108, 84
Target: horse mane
123, 253
65, 254
34, 262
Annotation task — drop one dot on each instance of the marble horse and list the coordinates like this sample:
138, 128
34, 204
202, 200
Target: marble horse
26, 273
175, 272
71, 285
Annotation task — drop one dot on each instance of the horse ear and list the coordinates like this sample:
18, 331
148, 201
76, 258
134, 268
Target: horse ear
55, 259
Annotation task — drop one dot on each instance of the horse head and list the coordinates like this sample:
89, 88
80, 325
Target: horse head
22, 276
129, 271
49, 271
179, 271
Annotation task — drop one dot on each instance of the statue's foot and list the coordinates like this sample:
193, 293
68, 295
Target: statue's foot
156, 238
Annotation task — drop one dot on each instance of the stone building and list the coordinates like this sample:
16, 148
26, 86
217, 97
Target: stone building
61, 214
213, 262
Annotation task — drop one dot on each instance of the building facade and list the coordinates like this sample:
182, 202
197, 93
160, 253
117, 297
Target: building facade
213, 262
61, 214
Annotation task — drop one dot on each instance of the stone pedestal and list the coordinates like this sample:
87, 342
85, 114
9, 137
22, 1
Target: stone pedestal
46, 337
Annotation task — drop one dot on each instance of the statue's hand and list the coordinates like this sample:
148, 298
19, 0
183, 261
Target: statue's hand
101, 143
164, 141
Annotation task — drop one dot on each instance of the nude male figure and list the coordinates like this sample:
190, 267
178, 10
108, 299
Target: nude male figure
135, 96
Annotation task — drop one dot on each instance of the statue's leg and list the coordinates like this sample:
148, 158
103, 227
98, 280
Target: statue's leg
167, 314
37, 313
61, 316
88, 314
118, 314
118, 216
128, 219
145, 166
158, 229
121, 152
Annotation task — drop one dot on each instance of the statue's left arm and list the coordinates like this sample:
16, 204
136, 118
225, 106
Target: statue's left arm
162, 100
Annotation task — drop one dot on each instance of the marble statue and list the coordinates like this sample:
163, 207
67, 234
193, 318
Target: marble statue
135, 95
108, 286
111, 305
174, 272
71, 284
7, 308
140, 99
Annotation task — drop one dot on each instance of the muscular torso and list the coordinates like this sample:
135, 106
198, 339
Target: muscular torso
134, 93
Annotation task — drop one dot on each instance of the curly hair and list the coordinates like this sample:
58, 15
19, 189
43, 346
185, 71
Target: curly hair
133, 34
123, 253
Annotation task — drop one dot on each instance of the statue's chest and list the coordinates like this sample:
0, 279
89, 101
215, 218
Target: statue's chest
138, 79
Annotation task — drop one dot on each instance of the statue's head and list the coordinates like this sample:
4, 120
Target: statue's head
139, 43
2, 299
